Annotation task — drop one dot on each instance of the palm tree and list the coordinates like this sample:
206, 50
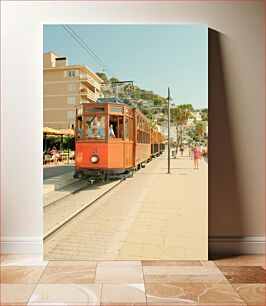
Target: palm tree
200, 129
180, 116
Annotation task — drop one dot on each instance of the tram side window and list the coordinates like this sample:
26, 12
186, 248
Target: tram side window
126, 128
116, 127
113, 127
79, 127
95, 127
121, 127
131, 129
138, 129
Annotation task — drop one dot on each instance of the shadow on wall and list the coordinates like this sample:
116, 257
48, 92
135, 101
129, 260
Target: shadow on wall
225, 217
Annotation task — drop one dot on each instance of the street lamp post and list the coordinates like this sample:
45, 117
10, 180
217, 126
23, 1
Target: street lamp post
169, 149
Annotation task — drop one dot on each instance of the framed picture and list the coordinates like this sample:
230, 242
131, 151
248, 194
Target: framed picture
125, 141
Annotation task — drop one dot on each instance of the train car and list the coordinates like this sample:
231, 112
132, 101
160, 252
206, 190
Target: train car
162, 144
155, 143
112, 139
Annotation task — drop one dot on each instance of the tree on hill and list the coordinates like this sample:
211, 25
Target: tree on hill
129, 92
113, 80
103, 76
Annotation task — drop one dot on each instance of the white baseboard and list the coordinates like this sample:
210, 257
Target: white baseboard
217, 245
237, 245
21, 245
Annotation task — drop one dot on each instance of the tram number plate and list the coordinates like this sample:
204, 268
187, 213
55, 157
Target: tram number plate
94, 150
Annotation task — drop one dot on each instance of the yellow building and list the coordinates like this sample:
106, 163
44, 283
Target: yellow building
64, 87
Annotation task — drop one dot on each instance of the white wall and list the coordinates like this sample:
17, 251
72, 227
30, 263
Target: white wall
240, 166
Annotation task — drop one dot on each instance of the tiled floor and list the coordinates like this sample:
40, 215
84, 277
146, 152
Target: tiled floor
28, 280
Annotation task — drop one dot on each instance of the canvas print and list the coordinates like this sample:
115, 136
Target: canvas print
125, 142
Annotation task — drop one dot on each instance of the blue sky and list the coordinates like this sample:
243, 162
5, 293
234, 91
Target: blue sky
155, 56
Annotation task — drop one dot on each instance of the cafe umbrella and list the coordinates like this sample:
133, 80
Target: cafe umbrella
49, 131
68, 133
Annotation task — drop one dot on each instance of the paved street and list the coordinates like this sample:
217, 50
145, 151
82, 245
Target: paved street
150, 216
51, 171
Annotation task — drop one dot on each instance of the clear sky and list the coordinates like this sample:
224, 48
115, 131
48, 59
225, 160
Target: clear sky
155, 56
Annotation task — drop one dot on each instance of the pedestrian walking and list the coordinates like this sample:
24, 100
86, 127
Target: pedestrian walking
181, 148
197, 155
189, 150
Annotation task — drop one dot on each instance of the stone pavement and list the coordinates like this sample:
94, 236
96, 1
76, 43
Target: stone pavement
58, 213
57, 182
153, 215
53, 196
55, 170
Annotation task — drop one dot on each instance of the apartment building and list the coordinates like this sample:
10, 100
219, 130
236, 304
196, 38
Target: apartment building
64, 87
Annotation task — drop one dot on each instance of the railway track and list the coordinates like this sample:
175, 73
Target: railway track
61, 211
57, 195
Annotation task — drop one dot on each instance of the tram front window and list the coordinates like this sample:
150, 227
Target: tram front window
95, 127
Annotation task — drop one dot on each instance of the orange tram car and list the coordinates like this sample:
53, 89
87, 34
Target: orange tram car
113, 140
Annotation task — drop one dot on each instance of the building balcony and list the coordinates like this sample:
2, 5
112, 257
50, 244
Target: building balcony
86, 93
85, 78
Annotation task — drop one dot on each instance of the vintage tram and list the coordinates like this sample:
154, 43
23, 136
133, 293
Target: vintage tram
112, 139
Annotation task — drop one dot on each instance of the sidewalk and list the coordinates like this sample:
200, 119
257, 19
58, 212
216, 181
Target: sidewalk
55, 170
153, 215
56, 182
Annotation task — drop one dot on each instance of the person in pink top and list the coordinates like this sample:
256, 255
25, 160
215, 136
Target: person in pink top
197, 155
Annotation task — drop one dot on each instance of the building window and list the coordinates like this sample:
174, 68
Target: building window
70, 114
71, 73
71, 87
71, 100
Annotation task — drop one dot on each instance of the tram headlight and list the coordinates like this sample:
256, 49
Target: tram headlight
94, 159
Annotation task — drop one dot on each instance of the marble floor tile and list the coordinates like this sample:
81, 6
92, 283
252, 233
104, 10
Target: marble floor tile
16, 293
66, 294
21, 275
68, 275
2, 257
13, 304
123, 293
192, 293
72, 263
243, 260
208, 263
111, 272
242, 274
251, 293
119, 263
127, 304
171, 263
183, 274
194, 304
24, 260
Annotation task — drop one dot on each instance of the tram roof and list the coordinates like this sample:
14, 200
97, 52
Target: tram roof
110, 100
117, 101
